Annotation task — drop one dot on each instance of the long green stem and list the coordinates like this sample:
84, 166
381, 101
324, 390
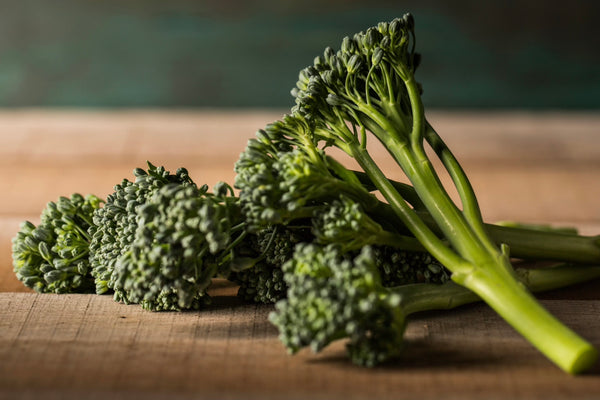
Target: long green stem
475, 261
419, 297
527, 243
406, 214
470, 205
535, 244
438, 203
523, 312
490, 277
450, 214
566, 349
524, 242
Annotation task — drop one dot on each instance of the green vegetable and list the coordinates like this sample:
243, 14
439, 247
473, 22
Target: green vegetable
53, 257
271, 247
344, 253
334, 296
284, 177
367, 91
115, 224
527, 241
183, 239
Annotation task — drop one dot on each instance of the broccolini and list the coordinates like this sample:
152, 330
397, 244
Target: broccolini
54, 256
367, 91
309, 233
271, 247
183, 239
114, 225
333, 296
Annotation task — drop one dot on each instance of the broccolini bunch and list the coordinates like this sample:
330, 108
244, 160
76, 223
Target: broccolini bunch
341, 261
367, 91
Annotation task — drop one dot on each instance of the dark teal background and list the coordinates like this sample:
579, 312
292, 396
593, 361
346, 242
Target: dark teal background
158, 53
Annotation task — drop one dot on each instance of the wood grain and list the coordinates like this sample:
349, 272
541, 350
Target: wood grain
87, 346
529, 167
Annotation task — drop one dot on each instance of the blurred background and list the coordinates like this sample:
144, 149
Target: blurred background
508, 54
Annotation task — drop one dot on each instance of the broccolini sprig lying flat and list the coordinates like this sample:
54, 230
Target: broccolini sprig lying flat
183, 239
115, 224
54, 256
333, 295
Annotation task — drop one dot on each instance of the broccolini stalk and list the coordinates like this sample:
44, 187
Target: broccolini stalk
527, 241
115, 224
284, 177
335, 296
185, 236
53, 257
369, 87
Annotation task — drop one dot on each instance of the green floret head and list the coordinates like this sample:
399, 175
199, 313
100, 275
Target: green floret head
398, 267
344, 222
272, 246
115, 224
361, 82
270, 171
53, 257
181, 242
282, 174
263, 283
333, 296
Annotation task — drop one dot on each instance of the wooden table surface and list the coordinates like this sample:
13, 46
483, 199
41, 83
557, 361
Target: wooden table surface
540, 167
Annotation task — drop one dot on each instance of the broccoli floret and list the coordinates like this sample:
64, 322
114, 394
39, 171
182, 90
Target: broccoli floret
183, 239
115, 224
264, 283
344, 221
277, 242
367, 91
334, 295
331, 297
53, 257
398, 267
271, 247
280, 184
